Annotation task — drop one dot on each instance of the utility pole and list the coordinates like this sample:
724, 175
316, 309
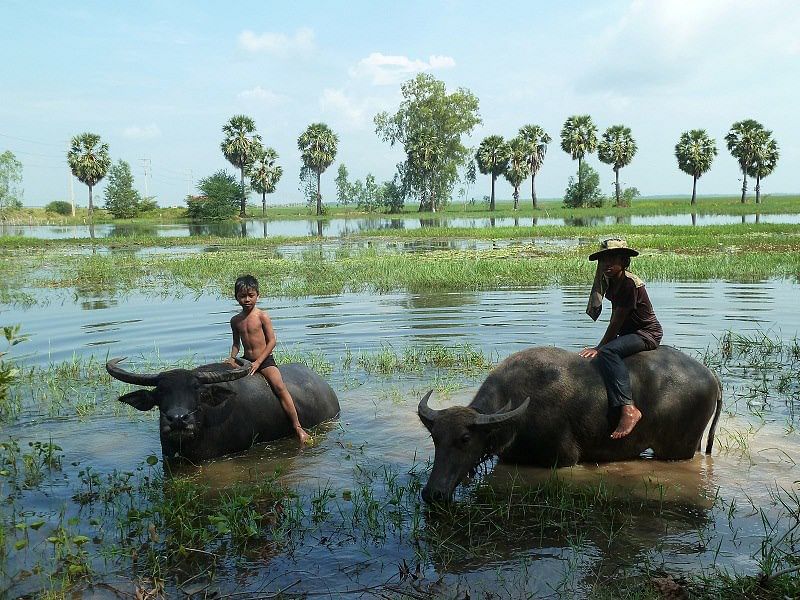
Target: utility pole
189, 182
148, 171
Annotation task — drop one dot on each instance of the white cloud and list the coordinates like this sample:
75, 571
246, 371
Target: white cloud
337, 101
261, 96
148, 132
660, 44
278, 44
384, 69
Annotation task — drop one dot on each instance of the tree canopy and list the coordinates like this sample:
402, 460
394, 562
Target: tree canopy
695, 152
429, 125
219, 199
264, 174
492, 157
318, 145
89, 161
617, 148
536, 140
518, 167
122, 200
240, 146
10, 181
765, 159
742, 141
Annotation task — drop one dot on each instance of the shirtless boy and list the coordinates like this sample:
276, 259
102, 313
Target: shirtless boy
252, 328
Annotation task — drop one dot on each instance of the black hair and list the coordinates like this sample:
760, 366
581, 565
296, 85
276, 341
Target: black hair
245, 283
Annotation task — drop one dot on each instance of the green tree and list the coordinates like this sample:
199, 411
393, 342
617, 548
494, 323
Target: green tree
344, 191
586, 191
579, 138
765, 159
392, 194
695, 152
264, 174
492, 157
220, 198
10, 180
318, 145
536, 140
429, 125
89, 161
122, 201
617, 148
61, 207
240, 146
518, 167
742, 141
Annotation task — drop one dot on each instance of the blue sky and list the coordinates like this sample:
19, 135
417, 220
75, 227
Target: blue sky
157, 80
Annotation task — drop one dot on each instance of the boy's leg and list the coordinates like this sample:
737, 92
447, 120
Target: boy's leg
273, 377
618, 384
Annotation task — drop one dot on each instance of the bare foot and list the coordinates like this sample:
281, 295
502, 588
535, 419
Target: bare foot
627, 421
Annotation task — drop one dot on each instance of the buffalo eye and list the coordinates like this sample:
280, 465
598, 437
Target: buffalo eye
465, 438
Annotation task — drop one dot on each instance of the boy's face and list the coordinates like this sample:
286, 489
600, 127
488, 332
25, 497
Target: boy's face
612, 264
247, 298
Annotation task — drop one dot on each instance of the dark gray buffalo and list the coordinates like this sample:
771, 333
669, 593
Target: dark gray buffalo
548, 407
217, 409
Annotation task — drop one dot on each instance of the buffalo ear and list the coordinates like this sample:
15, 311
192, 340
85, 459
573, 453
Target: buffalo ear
217, 395
139, 399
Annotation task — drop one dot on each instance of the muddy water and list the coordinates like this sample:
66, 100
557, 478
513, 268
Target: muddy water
756, 452
262, 228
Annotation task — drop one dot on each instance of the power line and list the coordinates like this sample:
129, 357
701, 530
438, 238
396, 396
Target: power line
13, 137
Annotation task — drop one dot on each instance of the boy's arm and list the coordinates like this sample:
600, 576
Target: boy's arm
235, 345
269, 339
618, 316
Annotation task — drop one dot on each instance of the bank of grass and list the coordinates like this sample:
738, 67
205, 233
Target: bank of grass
320, 273
550, 207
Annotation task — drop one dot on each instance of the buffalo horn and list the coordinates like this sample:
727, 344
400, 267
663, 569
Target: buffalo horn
499, 417
221, 376
424, 410
127, 377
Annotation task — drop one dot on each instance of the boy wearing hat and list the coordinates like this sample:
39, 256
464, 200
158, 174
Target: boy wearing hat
633, 326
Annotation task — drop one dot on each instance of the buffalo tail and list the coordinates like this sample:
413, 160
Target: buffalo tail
710, 441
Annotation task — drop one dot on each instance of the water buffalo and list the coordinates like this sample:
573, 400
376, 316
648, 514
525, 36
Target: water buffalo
548, 407
217, 409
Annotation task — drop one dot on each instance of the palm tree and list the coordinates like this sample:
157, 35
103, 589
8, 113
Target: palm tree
578, 138
318, 145
742, 141
89, 161
765, 160
695, 152
519, 166
536, 141
240, 146
617, 148
492, 157
264, 174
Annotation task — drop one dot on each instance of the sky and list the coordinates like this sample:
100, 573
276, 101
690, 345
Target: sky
157, 80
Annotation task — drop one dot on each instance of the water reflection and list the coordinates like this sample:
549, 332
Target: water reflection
343, 227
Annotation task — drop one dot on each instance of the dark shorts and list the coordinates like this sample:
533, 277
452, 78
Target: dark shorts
268, 362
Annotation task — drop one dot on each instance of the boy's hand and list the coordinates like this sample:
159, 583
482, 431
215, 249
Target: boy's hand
231, 361
588, 352
254, 367
303, 436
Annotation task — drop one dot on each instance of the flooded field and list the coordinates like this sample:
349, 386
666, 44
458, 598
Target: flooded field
86, 501
340, 227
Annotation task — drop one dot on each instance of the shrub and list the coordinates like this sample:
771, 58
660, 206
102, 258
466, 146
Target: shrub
587, 193
220, 198
148, 204
60, 207
122, 201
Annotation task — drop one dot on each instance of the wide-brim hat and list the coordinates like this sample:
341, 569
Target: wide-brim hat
617, 245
